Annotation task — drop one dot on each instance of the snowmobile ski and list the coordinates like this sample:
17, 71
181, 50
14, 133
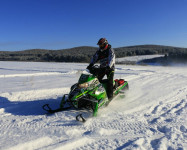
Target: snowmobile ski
80, 118
47, 108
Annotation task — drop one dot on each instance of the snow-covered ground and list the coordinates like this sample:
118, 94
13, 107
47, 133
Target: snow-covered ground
136, 59
152, 115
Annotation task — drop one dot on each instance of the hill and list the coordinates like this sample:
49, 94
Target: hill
84, 53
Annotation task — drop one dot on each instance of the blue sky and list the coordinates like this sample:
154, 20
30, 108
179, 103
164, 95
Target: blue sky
60, 24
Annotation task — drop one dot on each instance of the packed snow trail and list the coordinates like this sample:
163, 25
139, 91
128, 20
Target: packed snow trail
152, 115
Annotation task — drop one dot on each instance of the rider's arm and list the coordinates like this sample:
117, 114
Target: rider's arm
111, 58
94, 58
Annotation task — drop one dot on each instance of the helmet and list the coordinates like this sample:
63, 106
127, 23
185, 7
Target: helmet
103, 43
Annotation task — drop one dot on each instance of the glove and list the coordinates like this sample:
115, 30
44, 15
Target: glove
89, 67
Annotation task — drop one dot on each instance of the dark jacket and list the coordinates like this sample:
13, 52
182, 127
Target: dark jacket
106, 58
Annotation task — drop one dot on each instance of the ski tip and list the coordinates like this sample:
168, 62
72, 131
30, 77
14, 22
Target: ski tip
80, 118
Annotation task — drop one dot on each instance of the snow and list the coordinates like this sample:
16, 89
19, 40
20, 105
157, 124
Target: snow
152, 115
136, 58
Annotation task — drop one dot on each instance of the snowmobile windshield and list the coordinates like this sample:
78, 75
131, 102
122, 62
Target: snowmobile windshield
85, 77
86, 72
87, 81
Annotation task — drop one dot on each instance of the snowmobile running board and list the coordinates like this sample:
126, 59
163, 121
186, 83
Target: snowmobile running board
47, 108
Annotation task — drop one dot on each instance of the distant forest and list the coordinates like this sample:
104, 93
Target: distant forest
85, 53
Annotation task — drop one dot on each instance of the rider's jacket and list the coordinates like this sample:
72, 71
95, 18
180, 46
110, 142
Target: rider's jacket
106, 57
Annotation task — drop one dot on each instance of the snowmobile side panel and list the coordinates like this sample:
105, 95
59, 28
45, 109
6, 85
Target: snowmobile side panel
120, 88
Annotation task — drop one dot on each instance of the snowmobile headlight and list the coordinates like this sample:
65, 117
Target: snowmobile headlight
84, 85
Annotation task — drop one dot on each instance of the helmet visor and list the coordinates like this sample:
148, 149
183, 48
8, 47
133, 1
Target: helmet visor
102, 45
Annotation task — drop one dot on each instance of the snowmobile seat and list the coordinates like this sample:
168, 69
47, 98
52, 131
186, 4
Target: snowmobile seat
120, 81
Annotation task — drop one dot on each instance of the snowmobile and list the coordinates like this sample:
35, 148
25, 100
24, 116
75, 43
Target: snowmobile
88, 94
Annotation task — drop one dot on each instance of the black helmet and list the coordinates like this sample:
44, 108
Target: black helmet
102, 41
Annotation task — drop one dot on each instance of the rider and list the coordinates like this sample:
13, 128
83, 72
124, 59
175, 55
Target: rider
105, 54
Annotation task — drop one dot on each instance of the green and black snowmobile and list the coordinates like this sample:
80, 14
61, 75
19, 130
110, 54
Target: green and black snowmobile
88, 94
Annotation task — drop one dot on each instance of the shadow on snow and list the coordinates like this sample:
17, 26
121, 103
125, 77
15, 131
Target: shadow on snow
26, 108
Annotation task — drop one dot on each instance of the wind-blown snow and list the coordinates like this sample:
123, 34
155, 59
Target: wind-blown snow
136, 58
152, 115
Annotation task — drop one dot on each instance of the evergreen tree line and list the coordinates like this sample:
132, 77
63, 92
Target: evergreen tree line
85, 53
